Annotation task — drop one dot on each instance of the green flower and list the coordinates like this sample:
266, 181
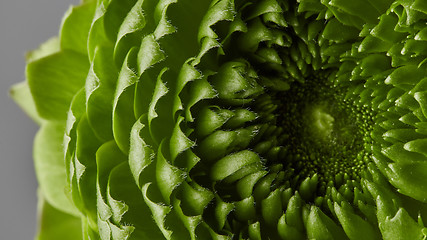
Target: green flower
232, 119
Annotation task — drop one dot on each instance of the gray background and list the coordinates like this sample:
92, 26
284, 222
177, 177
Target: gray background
24, 25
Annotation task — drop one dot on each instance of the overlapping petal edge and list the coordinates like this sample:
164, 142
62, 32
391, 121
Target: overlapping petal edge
137, 79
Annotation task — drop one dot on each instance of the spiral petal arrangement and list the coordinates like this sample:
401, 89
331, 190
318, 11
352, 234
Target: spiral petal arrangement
230, 119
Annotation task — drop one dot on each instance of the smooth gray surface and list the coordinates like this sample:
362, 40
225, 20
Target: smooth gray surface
24, 25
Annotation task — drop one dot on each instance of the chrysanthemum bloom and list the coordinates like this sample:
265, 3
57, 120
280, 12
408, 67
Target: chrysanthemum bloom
232, 119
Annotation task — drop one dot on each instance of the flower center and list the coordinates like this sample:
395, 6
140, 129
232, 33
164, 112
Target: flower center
322, 132
320, 123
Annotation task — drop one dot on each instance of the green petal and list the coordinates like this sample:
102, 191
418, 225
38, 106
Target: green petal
127, 205
319, 226
21, 94
54, 80
168, 176
50, 167
409, 179
401, 226
75, 27
354, 226
140, 154
131, 30
49, 47
123, 110
232, 163
99, 87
